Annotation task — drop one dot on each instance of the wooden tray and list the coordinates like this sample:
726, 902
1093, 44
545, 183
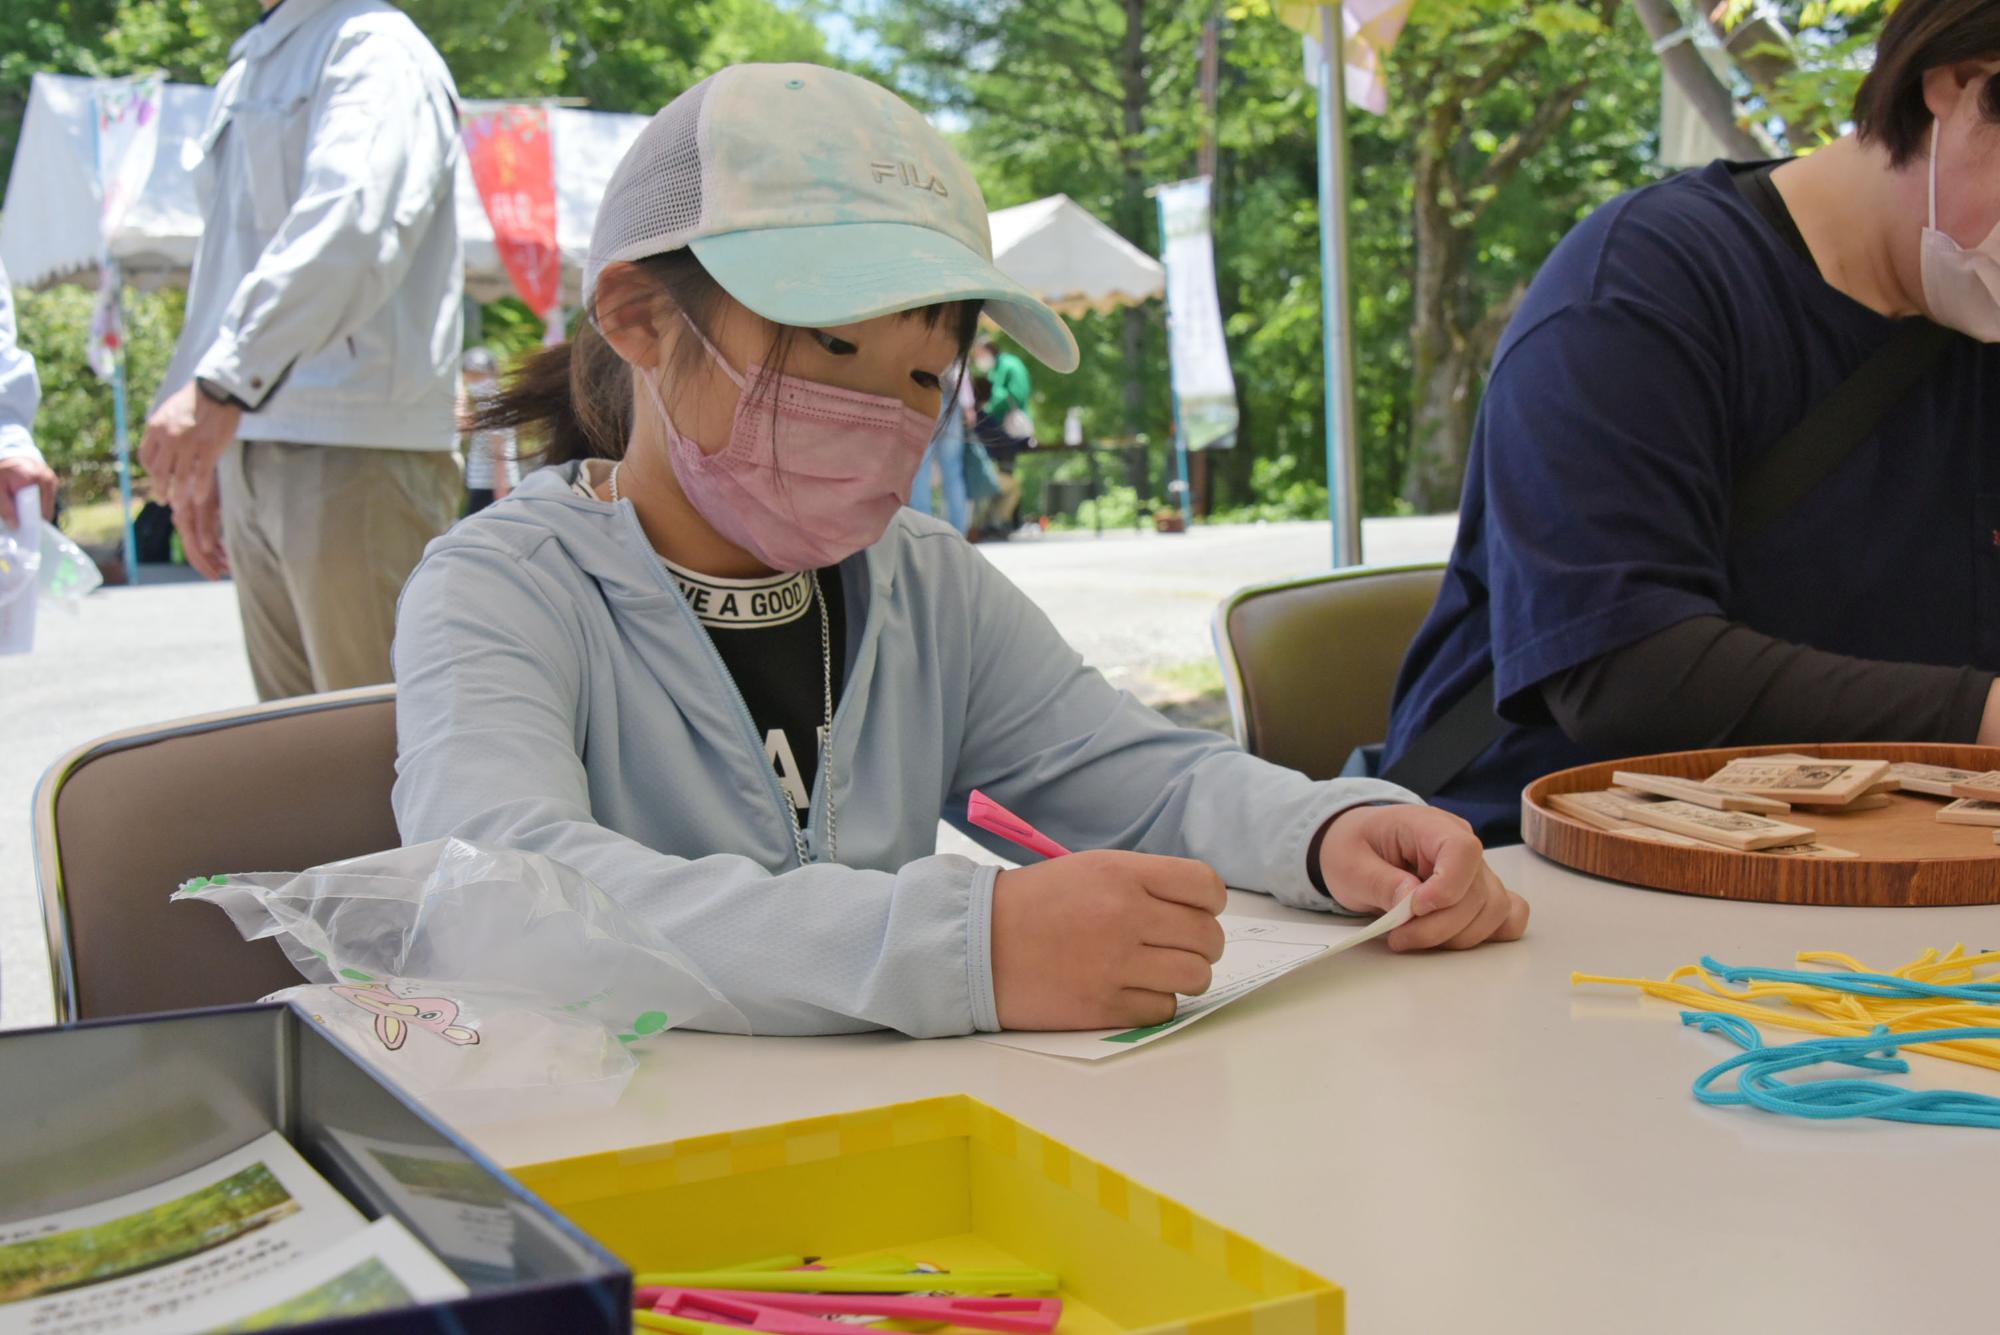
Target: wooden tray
1907, 858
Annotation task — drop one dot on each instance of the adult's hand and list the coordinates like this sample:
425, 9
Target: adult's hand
18, 474
1372, 857
1101, 940
185, 439
198, 519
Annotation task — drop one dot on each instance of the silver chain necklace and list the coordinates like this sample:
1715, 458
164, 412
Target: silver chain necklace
799, 840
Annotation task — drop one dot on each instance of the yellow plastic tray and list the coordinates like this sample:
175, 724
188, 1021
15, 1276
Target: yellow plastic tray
949, 1181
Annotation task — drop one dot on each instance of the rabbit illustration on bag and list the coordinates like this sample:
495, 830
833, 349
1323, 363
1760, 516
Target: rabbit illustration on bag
394, 1015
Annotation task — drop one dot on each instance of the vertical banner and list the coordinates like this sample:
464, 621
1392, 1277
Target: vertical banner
1204, 388
1371, 28
127, 133
513, 163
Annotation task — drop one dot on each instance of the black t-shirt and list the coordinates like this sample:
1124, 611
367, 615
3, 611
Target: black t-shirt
768, 633
1672, 338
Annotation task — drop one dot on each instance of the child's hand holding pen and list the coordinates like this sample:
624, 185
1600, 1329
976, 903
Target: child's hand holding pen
1103, 940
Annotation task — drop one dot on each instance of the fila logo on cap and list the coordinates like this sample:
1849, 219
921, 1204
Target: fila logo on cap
909, 174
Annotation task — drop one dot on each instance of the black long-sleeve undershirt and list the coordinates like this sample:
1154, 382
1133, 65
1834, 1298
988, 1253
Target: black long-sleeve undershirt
1713, 682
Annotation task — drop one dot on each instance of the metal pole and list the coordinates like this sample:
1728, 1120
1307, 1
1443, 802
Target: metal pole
1343, 489
118, 418
1180, 435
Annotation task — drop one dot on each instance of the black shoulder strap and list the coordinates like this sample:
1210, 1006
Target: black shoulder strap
1455, 739
1836, 426
1807, 455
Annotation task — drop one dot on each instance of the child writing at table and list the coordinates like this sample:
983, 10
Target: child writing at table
712, 663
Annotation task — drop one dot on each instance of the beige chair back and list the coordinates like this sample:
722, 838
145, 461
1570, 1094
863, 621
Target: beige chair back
1310, 663
120, 823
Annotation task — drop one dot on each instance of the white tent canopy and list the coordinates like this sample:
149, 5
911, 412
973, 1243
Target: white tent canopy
49, 232
1059, 251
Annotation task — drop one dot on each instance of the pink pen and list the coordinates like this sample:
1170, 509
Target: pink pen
993, 818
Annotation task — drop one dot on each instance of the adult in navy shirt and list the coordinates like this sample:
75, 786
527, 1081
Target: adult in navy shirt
1670, 341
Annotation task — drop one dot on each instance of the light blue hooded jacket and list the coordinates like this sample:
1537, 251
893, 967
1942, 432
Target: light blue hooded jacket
557, 695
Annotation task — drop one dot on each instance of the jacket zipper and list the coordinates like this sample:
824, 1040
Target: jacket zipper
787, 813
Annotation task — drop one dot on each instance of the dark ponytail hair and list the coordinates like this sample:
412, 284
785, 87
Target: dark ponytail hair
575, 398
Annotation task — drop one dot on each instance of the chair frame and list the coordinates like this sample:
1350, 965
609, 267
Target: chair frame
1225, 644
49, 885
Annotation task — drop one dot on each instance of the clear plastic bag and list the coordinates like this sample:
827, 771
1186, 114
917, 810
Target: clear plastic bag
488, 983
37, 563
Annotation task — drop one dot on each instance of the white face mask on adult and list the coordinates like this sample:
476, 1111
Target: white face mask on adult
1961, 286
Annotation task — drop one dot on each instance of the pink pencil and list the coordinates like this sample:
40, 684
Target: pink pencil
993, 818
805, 1313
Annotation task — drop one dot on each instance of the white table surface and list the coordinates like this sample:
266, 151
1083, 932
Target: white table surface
1464, 1142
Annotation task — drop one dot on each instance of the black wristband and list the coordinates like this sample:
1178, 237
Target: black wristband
1313, 872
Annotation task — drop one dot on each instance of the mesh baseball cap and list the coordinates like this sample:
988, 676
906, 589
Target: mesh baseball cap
814, 198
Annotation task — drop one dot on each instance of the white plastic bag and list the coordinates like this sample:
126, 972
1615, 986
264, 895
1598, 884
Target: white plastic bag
488, 983
20, 562
36, 562
470, 1055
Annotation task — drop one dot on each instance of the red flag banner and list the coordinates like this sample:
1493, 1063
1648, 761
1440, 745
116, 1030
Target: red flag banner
513, 164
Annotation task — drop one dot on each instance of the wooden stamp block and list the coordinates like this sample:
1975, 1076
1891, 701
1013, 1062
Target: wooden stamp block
1819, 783
1604, 810
1980, 787
1971, 811
1687, 790
1930, 780
1741, 830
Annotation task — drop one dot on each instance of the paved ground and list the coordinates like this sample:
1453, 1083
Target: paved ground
132, 656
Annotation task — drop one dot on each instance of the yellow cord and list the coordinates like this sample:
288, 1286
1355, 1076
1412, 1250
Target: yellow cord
1817, 1010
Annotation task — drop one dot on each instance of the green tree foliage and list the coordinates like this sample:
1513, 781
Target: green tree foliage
1517, 126
1520, 123
74, 427
1807, 64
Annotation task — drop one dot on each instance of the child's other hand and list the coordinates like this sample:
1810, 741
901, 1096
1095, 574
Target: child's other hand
1372, 856
1103, 940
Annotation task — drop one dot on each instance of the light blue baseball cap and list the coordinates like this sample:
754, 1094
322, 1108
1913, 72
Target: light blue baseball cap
815, 198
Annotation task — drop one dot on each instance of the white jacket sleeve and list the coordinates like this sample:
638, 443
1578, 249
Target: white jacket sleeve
20, 390
380, 155
1050, 739
488, 722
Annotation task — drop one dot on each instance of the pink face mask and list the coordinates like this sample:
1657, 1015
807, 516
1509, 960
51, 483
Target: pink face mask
806, 482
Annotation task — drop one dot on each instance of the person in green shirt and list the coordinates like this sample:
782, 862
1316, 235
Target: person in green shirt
1004, 429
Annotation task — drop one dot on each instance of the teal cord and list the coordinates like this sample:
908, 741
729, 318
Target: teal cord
1759, 1067
1882, 985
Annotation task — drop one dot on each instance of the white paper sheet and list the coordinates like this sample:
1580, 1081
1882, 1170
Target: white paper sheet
378, 1268
1256, 951
133, 1262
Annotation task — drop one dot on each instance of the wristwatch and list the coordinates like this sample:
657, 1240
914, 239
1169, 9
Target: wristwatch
215, 393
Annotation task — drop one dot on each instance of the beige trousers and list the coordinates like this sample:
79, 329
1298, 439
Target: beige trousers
321, 539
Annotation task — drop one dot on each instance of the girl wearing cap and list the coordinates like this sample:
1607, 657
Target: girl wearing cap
722, 672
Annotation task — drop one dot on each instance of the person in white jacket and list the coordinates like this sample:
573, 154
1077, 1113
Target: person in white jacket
21, 464
305, 433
